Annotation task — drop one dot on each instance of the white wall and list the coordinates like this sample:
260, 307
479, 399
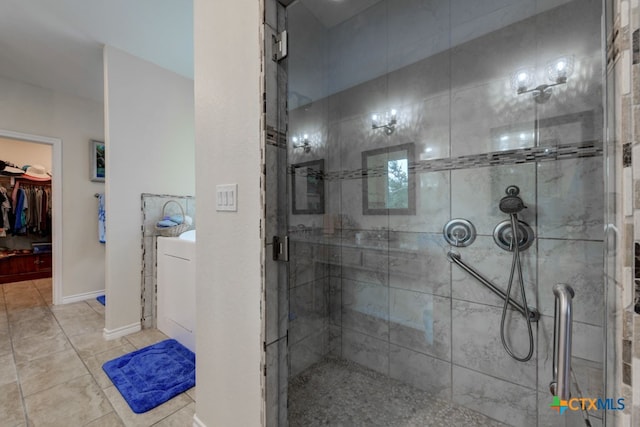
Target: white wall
228, 148
23, 153
33, 110
149, 138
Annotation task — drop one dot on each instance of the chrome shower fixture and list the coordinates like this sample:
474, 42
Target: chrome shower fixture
459, 232
510, 235
512, 204
503, 235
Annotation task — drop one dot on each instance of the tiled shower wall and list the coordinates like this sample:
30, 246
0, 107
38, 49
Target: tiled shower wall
623, 56
390, 300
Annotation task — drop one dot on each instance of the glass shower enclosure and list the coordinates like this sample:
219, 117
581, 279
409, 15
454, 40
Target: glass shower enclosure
387, 119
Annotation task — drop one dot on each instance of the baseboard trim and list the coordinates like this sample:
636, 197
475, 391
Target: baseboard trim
121, 331
81, 297
197, 422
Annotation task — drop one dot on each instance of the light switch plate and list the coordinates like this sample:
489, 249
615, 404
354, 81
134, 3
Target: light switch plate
227, 197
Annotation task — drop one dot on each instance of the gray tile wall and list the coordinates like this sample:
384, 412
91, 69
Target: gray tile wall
392, 302
623, 72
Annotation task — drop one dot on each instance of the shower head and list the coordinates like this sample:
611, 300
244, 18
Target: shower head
511, 203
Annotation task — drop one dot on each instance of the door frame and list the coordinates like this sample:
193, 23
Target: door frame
56, 207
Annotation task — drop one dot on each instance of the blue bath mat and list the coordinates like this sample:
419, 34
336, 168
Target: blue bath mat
152, 375
101, 299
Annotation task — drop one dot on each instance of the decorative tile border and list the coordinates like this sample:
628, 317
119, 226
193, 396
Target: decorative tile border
275, 137
626, 155
496, 158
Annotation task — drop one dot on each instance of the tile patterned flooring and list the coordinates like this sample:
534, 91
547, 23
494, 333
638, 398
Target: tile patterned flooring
51, 365
337, 392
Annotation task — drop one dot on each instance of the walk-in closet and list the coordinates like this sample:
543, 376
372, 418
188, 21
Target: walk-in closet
25, 211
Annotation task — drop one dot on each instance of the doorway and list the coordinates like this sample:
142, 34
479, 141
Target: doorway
56, 201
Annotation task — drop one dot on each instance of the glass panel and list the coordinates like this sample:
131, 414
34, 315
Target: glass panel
490, 95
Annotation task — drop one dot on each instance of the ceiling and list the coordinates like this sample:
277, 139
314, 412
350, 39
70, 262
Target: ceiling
333, 12
57, 44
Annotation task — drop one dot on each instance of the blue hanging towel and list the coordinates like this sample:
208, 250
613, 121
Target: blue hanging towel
101, 219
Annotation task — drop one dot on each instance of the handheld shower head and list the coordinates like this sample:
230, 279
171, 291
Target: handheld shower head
511, 203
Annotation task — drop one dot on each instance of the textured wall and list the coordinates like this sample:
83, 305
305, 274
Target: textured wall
230, 259
149, 121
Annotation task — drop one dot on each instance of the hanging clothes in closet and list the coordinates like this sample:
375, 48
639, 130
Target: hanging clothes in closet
36, 209
31, 210
5, 208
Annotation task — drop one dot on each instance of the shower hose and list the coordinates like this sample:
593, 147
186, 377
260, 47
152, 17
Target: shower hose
516, 265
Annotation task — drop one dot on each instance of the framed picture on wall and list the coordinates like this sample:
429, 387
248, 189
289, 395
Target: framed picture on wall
97, 161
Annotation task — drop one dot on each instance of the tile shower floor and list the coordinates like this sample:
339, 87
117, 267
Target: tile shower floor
51, 365
336, 392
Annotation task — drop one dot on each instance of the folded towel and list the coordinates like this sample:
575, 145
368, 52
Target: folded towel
166, 223
175, 218
179, 219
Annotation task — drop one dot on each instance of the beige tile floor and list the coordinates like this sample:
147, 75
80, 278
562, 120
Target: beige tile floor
51, 365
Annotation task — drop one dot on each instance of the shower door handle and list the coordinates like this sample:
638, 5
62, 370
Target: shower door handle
561, 384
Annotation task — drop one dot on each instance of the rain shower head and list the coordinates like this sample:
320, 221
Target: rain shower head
511, 203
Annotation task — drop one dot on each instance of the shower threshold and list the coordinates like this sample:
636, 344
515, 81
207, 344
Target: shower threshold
337, 392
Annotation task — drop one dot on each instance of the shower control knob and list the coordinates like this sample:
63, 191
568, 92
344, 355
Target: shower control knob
459, 232
503, 235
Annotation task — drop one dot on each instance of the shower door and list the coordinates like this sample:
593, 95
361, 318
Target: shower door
390, 118
276, 225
